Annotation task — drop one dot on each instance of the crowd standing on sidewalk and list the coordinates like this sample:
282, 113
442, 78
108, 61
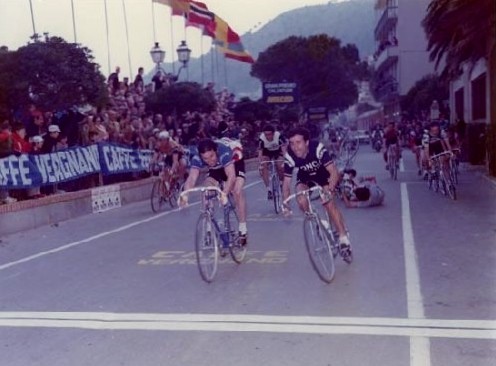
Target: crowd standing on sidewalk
124, 121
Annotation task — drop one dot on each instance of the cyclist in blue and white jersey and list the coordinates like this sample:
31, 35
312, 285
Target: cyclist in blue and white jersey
225, 163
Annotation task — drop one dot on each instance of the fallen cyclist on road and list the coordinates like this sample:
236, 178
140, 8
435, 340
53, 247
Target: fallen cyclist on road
315, 166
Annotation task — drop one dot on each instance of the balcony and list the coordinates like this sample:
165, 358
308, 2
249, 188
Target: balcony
388, 20
386, 58
387, 91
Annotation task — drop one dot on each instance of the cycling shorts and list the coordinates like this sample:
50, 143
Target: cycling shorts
272, 154
220, 176
320, 177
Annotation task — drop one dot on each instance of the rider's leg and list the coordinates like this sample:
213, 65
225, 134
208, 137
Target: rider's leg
280, 169
264, 171
302, 200
240, 200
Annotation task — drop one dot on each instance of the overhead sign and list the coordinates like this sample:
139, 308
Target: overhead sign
280, 93
317, 114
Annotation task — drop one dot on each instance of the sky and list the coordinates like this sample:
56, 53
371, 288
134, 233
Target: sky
55, 17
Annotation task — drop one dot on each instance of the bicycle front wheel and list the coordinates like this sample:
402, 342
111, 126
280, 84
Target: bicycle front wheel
276, 195
237, 251
157, 198
207, 249
173, 194
318, 248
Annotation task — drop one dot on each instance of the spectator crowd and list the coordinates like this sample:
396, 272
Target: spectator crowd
124, 121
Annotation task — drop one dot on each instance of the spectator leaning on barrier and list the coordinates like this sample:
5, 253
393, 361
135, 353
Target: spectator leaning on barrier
5, 151
51, 139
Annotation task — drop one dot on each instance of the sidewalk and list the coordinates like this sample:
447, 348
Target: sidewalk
479, 170
30, 214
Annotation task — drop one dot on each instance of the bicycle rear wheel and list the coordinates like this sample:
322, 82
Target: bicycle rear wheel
276, 194
157, 199
318, 248
206, 247
236, 250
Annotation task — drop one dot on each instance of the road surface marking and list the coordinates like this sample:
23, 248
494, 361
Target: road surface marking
402, 166
416, 328
419, 345
98, 236
183, 257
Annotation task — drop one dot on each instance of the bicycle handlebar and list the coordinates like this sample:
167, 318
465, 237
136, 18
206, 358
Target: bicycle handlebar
303, 193
200, 189
441, 154
271, 162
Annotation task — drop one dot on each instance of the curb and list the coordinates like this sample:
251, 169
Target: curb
26, 215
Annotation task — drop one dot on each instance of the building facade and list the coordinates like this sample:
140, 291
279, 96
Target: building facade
401, 58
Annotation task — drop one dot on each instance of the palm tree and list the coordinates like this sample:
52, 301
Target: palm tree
461, 32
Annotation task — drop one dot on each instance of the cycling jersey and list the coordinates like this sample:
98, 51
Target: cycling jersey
376, 196
311, 168
272, 149
436, 143
224, 157
391, 137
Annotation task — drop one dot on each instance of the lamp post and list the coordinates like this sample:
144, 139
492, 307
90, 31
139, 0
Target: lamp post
183, 55
157, 55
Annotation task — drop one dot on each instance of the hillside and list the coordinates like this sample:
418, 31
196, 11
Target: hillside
351, 21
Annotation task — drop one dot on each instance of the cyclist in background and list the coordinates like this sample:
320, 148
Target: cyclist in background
171, 154
437, 142
271, 146
315, 166
391, 138
225, 167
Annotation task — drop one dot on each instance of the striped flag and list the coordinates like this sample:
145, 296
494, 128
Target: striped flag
179, 7
236, 51
199, 15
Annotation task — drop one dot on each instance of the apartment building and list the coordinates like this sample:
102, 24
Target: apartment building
401, 58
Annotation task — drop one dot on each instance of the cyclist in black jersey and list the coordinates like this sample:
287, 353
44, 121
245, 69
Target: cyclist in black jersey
315, 166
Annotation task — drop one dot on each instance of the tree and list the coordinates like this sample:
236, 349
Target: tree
419, 98
180, 98
324, 70
462, 32
53, 75
250, 111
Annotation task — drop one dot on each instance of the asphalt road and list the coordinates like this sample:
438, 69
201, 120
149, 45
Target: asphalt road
122, 287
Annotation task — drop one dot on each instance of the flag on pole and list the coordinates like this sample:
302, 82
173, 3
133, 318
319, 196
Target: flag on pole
236, 51
199, 15
179, 7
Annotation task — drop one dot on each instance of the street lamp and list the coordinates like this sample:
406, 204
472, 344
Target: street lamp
158, 55
183, 54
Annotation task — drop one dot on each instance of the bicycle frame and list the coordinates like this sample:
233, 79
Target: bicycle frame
225, 237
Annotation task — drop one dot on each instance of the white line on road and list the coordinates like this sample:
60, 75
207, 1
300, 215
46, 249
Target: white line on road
417, 328
419, 345
97, 236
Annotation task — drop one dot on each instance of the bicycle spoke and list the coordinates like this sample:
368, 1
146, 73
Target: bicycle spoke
319, 251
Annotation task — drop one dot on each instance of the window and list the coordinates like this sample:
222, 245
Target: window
459, 106
479, 97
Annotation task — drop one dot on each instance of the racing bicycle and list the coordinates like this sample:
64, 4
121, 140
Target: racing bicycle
321, 240
215, 237
164, 189
274, 183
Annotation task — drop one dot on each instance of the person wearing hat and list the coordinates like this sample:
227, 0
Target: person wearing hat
51, 139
